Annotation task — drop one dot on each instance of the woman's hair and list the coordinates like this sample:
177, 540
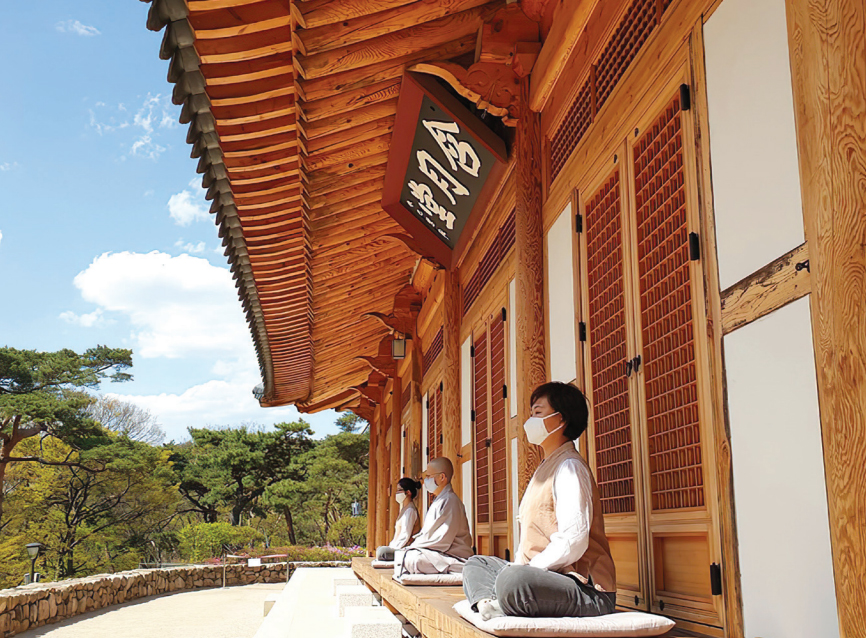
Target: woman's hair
569, 402
409, 485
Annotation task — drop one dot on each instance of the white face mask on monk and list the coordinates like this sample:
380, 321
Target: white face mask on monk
536, 433
430, 484
400, 497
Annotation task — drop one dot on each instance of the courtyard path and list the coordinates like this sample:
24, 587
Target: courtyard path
232, 612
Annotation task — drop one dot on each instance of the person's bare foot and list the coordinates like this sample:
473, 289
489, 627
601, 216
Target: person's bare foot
490, 609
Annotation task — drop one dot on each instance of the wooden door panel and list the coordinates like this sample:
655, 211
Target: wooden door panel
498, 448
612, 422
482, 465
667, 326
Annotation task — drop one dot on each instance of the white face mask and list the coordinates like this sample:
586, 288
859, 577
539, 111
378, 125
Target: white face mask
430, 484
400, 497
536, 433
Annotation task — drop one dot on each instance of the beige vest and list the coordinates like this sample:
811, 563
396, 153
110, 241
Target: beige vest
538, 522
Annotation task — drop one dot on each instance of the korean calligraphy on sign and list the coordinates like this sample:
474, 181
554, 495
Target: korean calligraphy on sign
441, 159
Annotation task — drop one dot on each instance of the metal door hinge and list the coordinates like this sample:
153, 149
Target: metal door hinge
694, 246
472, 415
581, 330
504, 315
578, 223
505, 392
685, 97
471, 351
716, 579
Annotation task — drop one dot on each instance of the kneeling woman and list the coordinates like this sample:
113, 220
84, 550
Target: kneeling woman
563, 566
407, 524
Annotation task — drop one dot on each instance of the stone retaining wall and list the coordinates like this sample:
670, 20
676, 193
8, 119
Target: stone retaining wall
39, 604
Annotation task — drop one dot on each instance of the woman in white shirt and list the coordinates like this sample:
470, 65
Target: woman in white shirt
563, 567
407, 524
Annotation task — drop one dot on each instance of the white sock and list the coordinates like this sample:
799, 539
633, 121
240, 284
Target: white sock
489, 608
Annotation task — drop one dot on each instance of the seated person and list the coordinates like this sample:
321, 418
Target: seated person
563, 565
407, 521
444, 543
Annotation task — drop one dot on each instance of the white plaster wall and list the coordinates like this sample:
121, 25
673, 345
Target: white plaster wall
756, 179
512, 347
515, 504
466, 392
779, 487
560, 299
468, 503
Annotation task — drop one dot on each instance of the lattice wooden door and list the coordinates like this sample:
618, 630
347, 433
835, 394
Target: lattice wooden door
489, 436
642, 307
613, 430
681, 534
435, 435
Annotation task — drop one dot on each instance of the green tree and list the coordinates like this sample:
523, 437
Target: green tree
232, 468
95, 519
126, 418
350, 422
43, 393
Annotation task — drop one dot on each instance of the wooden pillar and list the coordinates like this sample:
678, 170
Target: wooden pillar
413, 467
372, 486
827, 40
382, 516
396, 434
529, 302
451, 374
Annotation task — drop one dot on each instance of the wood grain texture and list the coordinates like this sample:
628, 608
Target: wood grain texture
396, 435
827, 40
529, 302
372, 482
775, 285
570, 18
451, 313
414, 440
382, 515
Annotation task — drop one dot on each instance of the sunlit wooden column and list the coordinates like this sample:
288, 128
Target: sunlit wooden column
413, 468
372, 486
451, 374
529, 302
396, 434
382, 516
827, 40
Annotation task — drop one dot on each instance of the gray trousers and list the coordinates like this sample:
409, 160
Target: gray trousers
532, 592
385, 553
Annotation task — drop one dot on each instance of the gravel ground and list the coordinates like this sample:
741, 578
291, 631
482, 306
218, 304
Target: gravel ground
233, 612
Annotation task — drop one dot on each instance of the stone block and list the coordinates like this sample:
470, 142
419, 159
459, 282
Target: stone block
353, 596
372, 622
345, 582
270, 601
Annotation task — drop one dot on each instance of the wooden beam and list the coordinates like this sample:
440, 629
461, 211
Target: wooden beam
396, 435
406, 42
373, 25
828, 62
569, 20
349, 101
413, 442
382, 504
452, 316
318, 13
529, 302
775, 285
348, 156
346, 122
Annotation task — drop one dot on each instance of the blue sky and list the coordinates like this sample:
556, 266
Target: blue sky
104, 232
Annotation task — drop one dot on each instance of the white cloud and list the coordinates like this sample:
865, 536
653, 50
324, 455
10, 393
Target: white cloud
76, 27
1, 236
89, 320
193, 249
221, 402
8, 166
155, 112
184, 210
178, 306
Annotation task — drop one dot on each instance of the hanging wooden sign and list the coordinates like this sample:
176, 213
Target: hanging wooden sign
443, 167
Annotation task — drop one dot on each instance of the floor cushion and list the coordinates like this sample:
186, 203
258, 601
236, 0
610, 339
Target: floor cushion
383, 564
431, 580
624, 624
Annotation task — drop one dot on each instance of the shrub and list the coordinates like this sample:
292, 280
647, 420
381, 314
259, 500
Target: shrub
202, 541
348, 531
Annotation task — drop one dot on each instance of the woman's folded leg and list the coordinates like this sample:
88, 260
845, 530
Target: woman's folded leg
536, 593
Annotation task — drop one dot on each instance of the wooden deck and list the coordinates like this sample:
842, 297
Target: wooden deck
429, 609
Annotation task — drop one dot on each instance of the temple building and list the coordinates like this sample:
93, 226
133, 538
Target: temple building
431, 207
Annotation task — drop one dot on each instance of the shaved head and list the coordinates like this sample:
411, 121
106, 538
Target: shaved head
442, 464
